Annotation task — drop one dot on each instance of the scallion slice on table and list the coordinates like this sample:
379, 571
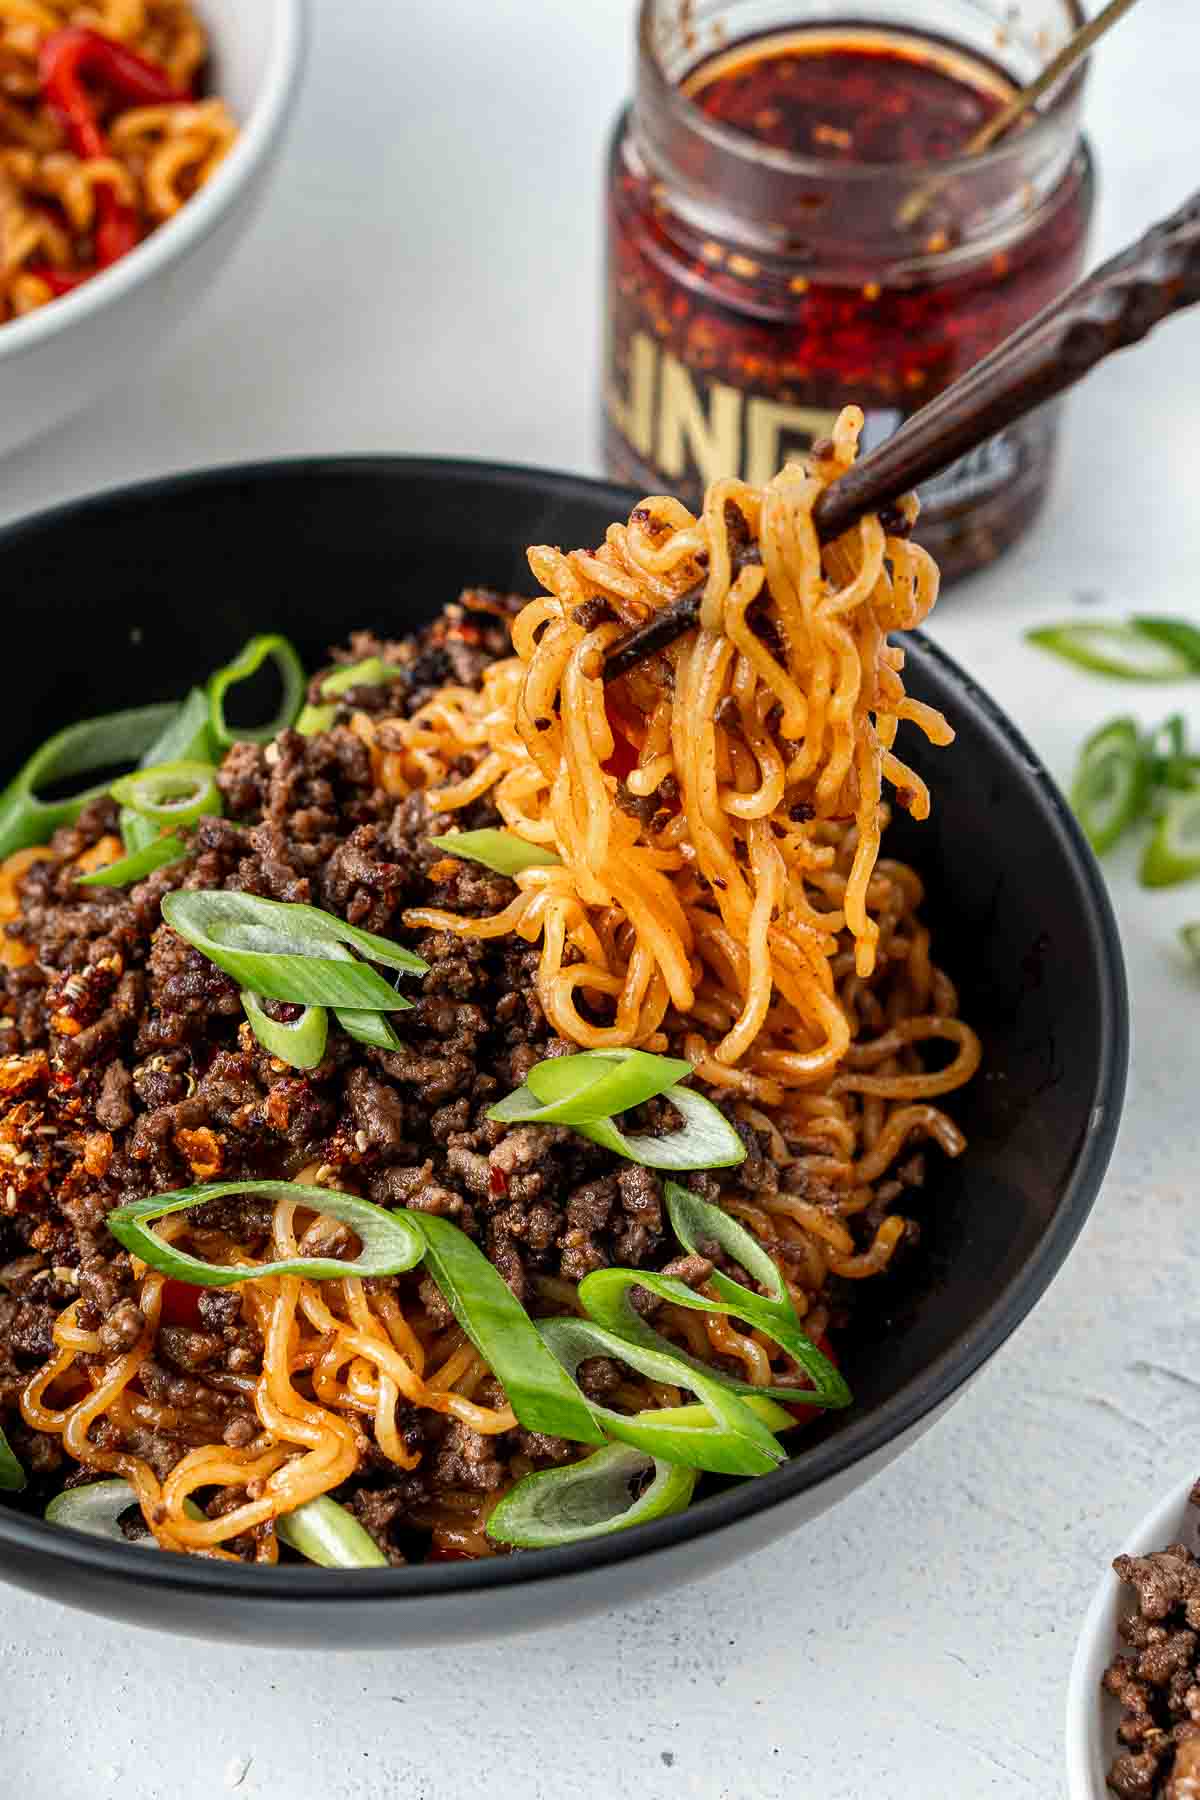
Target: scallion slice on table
1179, 635
172, 794
1138, 651
325, 1533
589, 1499
1173, 853
12, 1475
82, 749
1111, 786
299, 1042
543, 1396
389, 1244
247, 663
127, 869
501, 851
733, 1440
289, 952
585, 1090
606, 1296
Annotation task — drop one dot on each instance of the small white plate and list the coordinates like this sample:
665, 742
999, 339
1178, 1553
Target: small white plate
1092, 1715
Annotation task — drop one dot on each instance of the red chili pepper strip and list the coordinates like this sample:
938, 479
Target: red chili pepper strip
68, 55
180, 1303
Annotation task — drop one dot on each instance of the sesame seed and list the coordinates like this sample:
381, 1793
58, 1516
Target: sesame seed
10, 1199
25, 1158
361, 1141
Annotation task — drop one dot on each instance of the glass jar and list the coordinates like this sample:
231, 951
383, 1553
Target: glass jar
792, 227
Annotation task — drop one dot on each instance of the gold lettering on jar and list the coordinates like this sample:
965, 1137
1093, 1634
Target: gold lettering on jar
713, 437
633, 414
772, 429
683, 424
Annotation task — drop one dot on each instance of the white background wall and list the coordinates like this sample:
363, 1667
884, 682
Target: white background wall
426, 278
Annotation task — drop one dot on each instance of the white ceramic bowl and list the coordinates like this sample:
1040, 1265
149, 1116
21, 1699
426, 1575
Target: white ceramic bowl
1093, 1716
55, 361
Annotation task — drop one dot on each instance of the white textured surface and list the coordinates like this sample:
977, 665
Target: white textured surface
426, 278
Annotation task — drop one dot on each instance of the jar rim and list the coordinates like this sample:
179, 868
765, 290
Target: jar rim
1042, 123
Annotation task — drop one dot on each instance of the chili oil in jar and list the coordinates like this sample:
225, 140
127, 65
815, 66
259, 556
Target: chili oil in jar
793, 226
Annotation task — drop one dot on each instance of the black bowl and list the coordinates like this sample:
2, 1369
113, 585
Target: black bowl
144, 589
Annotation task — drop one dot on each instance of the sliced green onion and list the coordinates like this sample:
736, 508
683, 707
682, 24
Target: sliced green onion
589, 1499
136, 830
706, 1141
543, 1397
1167, 754
368, 1027
1190, 937
389, 1243
1129, 652
289, 952
300, 1044
175, 794
187, 737
735, 1442
12, 1475
760, 1404
248, 662
329, 1535
81, 749
502, 851
1173, 853
315, 718
1178, 634
1112, 782
96, 1509
372, 672
597, 1084
128, 869
696, 1222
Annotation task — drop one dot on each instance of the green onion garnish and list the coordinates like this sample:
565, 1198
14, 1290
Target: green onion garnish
502, 851
248, 662
327, 1534
574, 1096
315, 718
96, 1509
732, 1441
1144, 650
543, 1397
371, 672
589, 1499
1111, 787
389, 1243
300, 1044
175, 794
367, 1027
1173, 853
12, 1475
187, 737
81, 749
289, 952
606, 1295
128, 869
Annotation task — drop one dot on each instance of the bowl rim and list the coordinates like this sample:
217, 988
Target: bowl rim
177, 237
1097, 1643
862, 1438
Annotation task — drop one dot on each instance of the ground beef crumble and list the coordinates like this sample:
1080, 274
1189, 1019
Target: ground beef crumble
1156, 1680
